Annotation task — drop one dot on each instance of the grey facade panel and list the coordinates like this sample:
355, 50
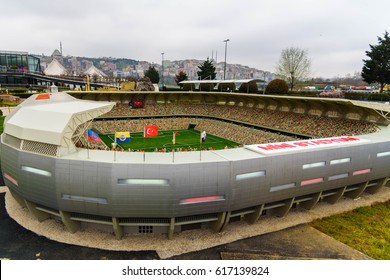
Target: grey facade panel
24, 167
185, 189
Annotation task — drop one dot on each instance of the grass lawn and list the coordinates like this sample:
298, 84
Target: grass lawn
2, 124
366, 229
185, 139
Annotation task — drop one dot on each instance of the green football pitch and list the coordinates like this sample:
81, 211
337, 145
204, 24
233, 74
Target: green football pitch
187, 139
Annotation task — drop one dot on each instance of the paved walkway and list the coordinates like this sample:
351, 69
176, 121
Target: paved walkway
6, 110
300, 242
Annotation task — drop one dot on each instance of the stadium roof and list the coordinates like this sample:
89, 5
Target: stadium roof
367, 111
220, 81
52, 118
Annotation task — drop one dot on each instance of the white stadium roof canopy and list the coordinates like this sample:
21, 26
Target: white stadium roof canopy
52, 118
221, 81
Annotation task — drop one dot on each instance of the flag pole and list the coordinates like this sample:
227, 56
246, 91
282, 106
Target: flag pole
87, 140
114, 146
143, 139
173, 148
201, 146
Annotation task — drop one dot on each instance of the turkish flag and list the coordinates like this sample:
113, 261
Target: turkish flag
151, 130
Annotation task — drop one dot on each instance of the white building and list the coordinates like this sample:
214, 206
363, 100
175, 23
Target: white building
55, 68
93, 71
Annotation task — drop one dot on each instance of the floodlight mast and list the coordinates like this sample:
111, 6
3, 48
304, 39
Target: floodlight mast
162, 71
224, 67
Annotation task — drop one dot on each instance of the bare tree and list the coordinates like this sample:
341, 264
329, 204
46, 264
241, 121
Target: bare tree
294, 65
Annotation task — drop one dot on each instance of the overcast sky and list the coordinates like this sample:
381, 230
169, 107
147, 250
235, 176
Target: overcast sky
335, 33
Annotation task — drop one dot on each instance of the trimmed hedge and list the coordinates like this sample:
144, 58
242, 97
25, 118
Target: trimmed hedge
379, 97
277, 86
188, 87
206, 87
355, 95
226, 87
250, 87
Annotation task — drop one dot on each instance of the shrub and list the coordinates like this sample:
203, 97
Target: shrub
17, 90
379, 97
332, 94
227, 87
277, 86
304, 93
206, 87
250, 87
355, 95
188, 87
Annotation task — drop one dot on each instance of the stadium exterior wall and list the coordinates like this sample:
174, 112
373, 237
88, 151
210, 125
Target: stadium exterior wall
169, 195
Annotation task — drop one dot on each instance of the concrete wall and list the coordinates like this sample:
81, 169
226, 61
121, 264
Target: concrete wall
92, 187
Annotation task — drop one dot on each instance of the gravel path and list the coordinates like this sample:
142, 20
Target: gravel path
187, 241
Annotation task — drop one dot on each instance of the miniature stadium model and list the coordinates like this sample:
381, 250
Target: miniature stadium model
166, 192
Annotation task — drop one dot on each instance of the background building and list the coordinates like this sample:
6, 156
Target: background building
19, 62
14, 66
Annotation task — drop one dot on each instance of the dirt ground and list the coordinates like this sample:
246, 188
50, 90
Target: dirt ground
290, 237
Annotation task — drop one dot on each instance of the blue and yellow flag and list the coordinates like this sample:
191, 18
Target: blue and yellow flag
122, 137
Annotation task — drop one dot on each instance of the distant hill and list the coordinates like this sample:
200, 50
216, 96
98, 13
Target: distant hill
126, 67
119, 62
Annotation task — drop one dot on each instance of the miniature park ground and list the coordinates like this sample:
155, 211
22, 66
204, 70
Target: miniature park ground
361, 225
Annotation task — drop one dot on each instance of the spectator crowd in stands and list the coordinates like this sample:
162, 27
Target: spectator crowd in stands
314, 126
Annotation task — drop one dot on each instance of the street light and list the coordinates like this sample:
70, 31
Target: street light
224, 68
264, 72
162, 70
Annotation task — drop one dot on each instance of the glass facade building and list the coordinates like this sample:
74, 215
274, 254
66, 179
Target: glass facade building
21, 62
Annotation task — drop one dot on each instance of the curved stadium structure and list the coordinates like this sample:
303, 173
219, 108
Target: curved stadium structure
134, 193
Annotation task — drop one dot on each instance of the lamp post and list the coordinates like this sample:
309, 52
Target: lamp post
224, 67
162, 71
292, 80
